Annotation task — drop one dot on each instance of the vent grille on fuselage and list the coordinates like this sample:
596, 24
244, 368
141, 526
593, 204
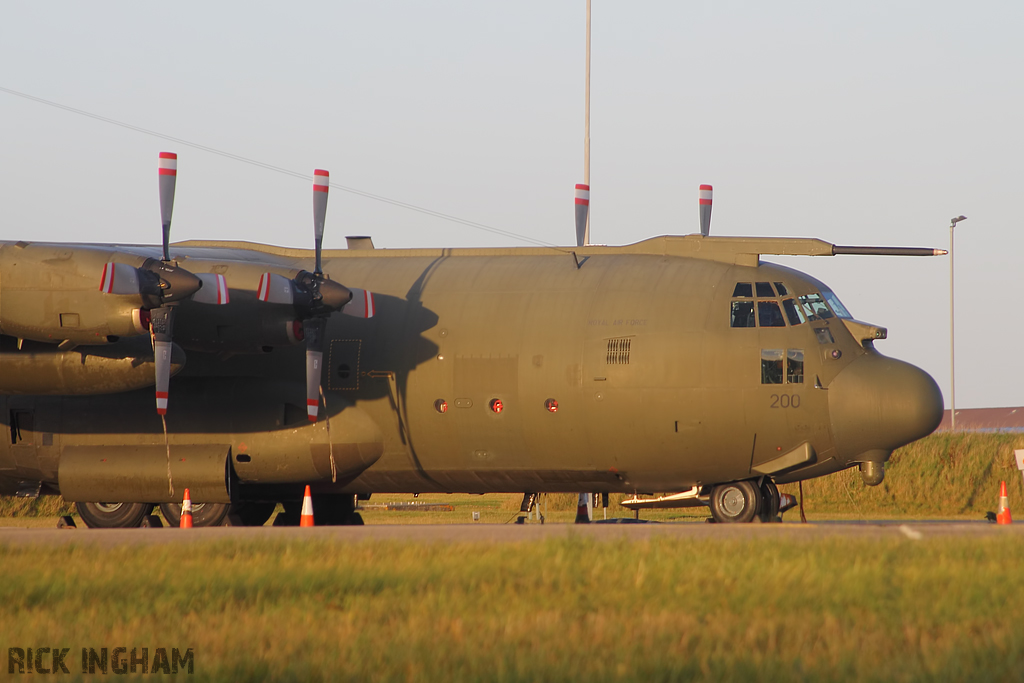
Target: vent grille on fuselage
618, 352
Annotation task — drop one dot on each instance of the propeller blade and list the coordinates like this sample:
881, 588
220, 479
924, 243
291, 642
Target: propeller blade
361, 305
705, 210
314, 330
168, 175
321, 182
213, 291
582, 213
162, 324
275, 289
119, 278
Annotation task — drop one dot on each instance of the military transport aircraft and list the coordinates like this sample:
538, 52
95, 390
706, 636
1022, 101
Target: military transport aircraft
672, 363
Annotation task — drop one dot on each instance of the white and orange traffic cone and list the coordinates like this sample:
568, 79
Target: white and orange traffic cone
186, 512
583, 509
307, 509
1003, 511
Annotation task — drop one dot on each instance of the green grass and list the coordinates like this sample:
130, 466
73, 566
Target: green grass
774, 608
944, 475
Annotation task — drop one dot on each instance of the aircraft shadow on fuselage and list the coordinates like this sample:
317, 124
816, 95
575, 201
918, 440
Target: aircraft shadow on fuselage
217, 393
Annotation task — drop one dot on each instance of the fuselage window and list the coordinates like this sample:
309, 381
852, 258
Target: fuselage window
836, 304
824, 335
742, 314
743, 290
795, 315
795, 366
815, 307
770, 314
782, 289
764, 289
771, 366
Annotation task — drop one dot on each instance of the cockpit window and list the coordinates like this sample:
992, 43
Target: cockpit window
782, 289
769, 314
795, 315
743, 289
794, 366
764, 289
771, 366
836, 305
815, 307
742, 314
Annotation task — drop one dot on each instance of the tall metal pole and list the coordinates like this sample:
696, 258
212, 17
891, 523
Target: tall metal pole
952, 354
952, 337
586, 127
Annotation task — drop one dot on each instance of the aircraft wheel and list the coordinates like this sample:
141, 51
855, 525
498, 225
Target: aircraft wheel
736, 502
203, 514
770, 501
355, 519
251, 514
113, 515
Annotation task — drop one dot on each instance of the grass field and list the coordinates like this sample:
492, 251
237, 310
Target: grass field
771, 607
558, 610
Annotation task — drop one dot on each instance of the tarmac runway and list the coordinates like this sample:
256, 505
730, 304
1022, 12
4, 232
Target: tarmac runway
510, 533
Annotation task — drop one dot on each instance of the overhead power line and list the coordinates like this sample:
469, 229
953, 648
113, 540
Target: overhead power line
279, 169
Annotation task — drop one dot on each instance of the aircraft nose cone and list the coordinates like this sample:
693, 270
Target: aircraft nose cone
879, 404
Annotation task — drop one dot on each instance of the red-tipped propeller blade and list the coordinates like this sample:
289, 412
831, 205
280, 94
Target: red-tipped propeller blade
275, 289
314, 330
705, 209
119, 278
168, 175
321, 183
162, 321
582, 213
361, 305
213, 291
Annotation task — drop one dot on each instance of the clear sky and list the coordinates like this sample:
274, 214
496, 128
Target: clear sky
860, 123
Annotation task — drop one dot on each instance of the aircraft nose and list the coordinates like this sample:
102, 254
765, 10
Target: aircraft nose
879, 404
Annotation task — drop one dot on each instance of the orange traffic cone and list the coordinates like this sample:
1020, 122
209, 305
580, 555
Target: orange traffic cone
1003, 511
186, 512
307, 509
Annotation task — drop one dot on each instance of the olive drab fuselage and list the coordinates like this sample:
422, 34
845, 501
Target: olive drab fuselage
640, 368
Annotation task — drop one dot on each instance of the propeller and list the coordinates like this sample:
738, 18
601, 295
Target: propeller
582, 213
315, 297
705, 210
161, 285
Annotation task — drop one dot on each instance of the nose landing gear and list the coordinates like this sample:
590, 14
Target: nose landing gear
744, 501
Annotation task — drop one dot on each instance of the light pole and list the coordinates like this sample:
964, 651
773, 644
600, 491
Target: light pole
952, 355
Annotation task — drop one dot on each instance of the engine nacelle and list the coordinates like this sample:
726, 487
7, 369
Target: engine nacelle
109, 369
50, 293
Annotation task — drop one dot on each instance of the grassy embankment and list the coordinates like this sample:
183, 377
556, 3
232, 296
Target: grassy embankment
951, 476
778, 608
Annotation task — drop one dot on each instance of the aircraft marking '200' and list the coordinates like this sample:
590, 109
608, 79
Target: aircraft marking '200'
672, 363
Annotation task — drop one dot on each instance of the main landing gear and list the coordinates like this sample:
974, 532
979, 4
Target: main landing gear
746, 501
131, 515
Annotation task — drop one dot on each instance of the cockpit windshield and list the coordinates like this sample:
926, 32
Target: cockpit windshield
836, 304
814, 307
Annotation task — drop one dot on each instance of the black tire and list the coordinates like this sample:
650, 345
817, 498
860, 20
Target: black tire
251, 514
735, 503
355, 519
770, 501
113, 515
332, 510
203, 514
